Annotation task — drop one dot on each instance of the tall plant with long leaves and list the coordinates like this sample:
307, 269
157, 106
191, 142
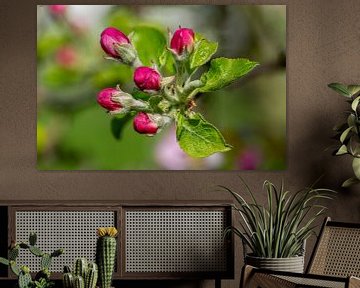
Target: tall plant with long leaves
279, 229
348, 132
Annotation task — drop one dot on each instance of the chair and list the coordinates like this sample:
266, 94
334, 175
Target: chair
334, 263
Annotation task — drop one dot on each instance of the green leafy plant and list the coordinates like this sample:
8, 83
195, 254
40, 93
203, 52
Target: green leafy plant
348, 132
181, 69
42, 278
279, 229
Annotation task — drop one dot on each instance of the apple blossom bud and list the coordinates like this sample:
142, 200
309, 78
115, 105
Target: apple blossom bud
117, 101
117, 45
105, 99
147, 78
144, 125
57, 10
182, 42
150, 124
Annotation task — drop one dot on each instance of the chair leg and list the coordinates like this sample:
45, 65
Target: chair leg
246, 273
217, 283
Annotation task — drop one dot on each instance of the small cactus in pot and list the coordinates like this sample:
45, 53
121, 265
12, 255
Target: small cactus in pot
106, 254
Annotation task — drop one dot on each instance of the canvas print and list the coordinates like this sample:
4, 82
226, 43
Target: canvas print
161, 87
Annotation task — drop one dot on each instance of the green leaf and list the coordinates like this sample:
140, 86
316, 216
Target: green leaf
224, 71
166, 61
197, 137
202, 53
345, 134
353, 89
349, 182
340, 88
4, 261
354, 145
356, 167
342, 150
150, 43
118, 124
355, 103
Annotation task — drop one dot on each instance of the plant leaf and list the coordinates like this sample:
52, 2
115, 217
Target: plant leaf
224, 71
4, 261
345, 134
355, 103
356, 167
353, 89
340, 88
118, 124
349, 182
202, 53
342, 150
197, 137
150, 43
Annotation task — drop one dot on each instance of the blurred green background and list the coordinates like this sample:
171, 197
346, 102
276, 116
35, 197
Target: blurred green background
74, 133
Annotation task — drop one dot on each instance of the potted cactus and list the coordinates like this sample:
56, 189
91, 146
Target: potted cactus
84, 275
42, 278
106, 254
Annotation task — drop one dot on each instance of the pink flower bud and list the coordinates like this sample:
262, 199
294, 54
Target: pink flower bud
105, 99
147, 78
182, 40
66, 56
143, 124
57, 10
111, 37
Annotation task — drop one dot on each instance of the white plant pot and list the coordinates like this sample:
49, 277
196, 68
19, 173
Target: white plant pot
291, 264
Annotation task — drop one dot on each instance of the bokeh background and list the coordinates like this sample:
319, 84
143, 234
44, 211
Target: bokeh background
74, 133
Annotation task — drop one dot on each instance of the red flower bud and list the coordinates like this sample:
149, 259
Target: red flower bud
105, 99
143, 124
147, 78
111, 37
182, 40
57, 9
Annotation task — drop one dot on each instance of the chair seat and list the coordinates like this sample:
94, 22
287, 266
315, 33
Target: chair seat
315, 282
255, 277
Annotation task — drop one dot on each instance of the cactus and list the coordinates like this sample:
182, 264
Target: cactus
88, 273
79, 282
106, 254
68, 280
13, 253
36, 251
45, 261
14, 268
32, 238
91, 276
24, 280
80, 267
42, 278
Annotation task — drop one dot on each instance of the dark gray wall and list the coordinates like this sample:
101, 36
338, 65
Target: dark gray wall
323, 46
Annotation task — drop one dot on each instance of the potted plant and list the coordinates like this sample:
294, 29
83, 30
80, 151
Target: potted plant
348, 132
276, 233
